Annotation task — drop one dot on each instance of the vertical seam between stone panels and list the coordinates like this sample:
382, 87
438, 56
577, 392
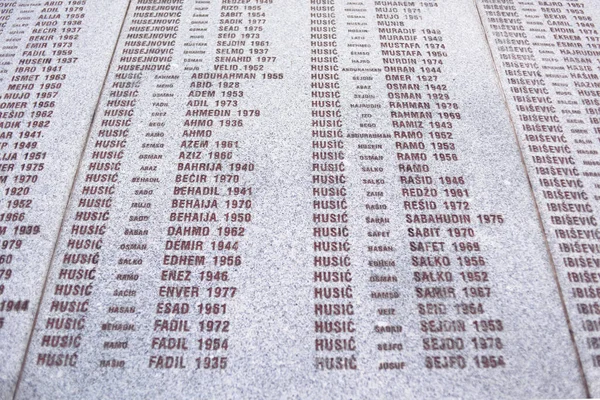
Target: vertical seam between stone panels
536, 206
74, 181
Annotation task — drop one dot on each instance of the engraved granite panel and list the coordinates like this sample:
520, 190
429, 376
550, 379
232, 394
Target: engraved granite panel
302, 199
53, 60
547, 54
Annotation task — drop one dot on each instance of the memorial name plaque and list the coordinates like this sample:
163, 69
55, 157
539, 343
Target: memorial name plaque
548, 54
54, 58
308, 199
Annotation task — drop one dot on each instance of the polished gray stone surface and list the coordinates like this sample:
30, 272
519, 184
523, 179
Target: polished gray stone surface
54, 58
548, 63
326, 198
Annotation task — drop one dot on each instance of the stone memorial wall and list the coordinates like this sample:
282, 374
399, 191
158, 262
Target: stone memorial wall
547, 55
325, 198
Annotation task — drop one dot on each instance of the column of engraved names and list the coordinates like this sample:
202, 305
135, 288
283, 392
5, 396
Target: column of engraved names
578, 49
212, 205
334, 325
587, 87
13, 109
170, 339
142, 72
452, 279
26, 117
92, 204
571, 42
585, 61
15, 19
150, 45
564, 62
548, 55
363, 73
